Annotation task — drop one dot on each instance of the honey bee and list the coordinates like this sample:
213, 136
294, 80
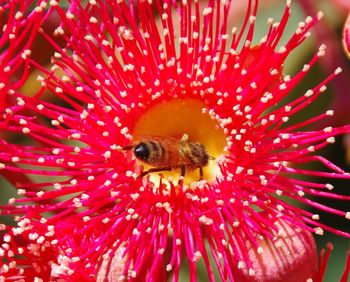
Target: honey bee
167, 153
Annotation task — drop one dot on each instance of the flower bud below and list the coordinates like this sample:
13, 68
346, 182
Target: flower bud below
290, 257
112, 266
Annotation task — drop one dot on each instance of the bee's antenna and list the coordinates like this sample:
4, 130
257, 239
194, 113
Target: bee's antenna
211, 158
127, 148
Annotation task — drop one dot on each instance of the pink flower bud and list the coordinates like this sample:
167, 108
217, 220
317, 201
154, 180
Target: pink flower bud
290, 256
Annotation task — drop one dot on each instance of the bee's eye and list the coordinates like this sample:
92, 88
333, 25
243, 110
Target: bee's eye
141, 151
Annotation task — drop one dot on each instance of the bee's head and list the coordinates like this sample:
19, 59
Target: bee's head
141, 151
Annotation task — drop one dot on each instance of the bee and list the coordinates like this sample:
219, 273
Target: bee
167, 153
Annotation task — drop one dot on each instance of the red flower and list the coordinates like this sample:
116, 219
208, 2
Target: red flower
323, 262
26, 251
19, 27
124, 75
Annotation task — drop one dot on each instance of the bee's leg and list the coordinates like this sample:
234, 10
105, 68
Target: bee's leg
182, 176
183, 170
200, 173
155, 169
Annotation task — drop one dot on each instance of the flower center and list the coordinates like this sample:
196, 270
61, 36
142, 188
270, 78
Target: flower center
174, 118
